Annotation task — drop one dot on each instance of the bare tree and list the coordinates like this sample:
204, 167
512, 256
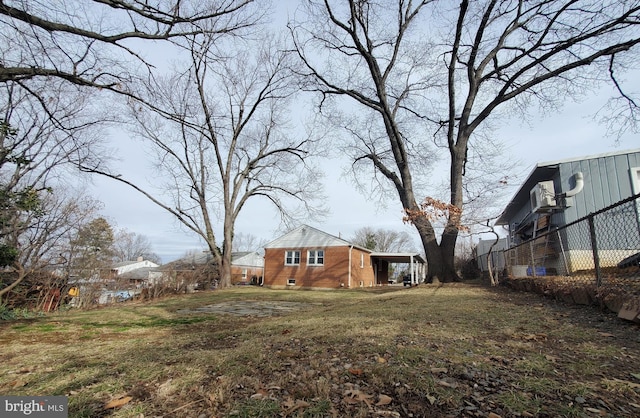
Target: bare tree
220, 132
34, 158
101, 49
43, 236
384, 240
88, 43
129, 246
454, 69
248, 242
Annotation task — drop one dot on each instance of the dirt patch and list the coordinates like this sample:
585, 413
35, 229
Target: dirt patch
249, 308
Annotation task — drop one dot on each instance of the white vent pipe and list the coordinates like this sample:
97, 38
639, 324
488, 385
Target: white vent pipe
578, 187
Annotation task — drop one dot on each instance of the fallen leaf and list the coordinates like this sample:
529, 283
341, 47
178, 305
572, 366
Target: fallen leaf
18, 383
439, 370
606, 334
165, 389
289, 403
381, 360
594, 410
431, 399
383, 400
636, 375
355, 396
355, 372
493, 415
116, 403
293, 406
260, 394
447, 384
534, 337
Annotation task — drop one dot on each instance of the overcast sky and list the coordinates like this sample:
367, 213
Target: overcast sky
570, 132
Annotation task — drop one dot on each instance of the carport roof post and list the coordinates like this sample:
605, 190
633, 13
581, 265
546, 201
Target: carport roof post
409, 258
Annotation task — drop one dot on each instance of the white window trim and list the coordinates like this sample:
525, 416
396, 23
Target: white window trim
361, 261
315, 258
293, 258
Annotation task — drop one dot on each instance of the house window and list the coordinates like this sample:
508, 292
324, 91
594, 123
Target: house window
244, 274
361, 261
315, 257
291, 282
292, 258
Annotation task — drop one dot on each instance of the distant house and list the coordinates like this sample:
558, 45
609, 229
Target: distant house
558, 193
497, 254
121, 281
127, 266
142, 277
194, 270
141, 272
309, 258
247, 268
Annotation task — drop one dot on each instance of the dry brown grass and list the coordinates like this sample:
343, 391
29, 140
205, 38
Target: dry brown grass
452, 350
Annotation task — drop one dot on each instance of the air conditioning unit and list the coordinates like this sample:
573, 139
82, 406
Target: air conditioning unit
542, 196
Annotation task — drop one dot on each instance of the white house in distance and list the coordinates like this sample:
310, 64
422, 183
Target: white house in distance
121, 281
127, 266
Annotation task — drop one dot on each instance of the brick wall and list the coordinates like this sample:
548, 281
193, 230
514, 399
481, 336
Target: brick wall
236, 273
333, 274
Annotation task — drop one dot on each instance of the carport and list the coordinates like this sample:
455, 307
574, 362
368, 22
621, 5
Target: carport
381, 261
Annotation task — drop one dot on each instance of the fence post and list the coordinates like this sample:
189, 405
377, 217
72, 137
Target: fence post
533, 259
594, 250
564, 255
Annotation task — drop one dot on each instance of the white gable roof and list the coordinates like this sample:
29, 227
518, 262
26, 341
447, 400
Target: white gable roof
127, 266
249, 260
307, 237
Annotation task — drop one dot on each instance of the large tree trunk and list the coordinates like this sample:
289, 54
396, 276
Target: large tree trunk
225, 271
440, 257
458, 152
225, 263
448, 254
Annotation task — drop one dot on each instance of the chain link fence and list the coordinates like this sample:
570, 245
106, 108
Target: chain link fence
594, 259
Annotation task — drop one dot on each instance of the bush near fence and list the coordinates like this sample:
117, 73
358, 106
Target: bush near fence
594, 260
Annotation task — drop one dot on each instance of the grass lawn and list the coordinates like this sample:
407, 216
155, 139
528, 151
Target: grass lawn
449, 350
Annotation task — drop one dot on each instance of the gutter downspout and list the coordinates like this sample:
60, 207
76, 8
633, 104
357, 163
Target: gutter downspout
349, 278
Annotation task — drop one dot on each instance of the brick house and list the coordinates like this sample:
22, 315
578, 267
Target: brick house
247, 268
309, 258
